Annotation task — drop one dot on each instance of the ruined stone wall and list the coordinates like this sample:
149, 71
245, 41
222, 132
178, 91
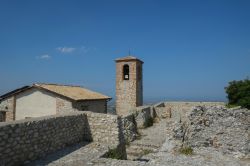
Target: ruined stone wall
8, 106
137, 118
106, 129
161, 111
129, 128
142, 115
180, 110
29, 139
217, 128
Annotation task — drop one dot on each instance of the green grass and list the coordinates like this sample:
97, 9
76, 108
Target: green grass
147, 151
114, 154
138, 136
231, 105
186, 150
127, 142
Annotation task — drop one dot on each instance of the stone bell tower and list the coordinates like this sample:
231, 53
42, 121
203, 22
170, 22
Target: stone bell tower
129, 89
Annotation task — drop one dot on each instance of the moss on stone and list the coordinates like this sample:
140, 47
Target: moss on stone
186, 150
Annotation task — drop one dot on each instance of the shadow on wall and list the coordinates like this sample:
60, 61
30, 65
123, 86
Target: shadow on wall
59, 154
30, 139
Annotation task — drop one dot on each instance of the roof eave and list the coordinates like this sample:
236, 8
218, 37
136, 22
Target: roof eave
14, 92
128, 60
108, 99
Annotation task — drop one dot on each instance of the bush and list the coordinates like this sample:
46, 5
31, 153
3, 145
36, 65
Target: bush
231, 105
149, 122
114, 154
147, 151
238, 93
187, 150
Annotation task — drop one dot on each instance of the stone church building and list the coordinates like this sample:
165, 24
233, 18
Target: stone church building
49, 99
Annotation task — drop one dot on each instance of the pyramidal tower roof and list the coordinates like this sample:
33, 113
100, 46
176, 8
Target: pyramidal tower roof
128, 58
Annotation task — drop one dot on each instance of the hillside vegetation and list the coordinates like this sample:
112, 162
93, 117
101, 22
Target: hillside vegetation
238, 93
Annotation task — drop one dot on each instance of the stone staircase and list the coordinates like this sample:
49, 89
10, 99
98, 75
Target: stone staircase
150, 141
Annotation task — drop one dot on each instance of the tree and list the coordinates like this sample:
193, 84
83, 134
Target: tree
238, 93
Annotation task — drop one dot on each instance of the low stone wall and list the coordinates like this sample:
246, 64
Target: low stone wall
129, 128
161, 104
180, 110
161, 111
142, 115
137, 118
218, 127
29, 139
106, 129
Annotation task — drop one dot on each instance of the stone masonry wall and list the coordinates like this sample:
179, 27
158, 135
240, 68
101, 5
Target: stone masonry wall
137, 118
181, 110
29, 139
162, 111
98, 106
142, 115
129, 128
63, 106
8, 106
106, 129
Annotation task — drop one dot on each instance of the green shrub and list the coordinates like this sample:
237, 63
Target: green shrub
187, 150
114, 154
127, 141
149, 122
147, 151
138, 135
231, 105
238, 93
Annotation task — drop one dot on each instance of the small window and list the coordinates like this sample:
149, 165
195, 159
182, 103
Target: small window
126, 72
84, 107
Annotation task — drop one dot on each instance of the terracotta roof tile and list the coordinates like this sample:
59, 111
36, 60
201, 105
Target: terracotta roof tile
73, 92
128, 58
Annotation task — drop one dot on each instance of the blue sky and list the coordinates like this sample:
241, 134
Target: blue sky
191, 49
